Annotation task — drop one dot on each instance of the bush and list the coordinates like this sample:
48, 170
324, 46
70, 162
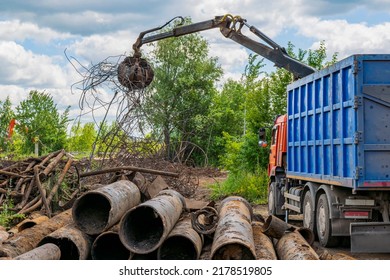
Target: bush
251, 186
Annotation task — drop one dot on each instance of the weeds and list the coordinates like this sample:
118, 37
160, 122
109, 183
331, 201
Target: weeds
8, 217
251, 186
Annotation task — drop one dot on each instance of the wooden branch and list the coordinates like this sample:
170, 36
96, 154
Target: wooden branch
12, 174
132, 168
59, 181
31, 206
26, 195
42, 191
54, 163
48, 157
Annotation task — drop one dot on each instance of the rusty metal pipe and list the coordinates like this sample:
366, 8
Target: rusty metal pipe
47, 251
3, 234
108, 246
144, 227
233, 237
99, 209
292, 246
263, 244
73, 243
29, 238
148, 256
182, 243
28, 223
276, 228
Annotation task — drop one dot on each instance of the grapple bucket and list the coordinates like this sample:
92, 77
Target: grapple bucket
373, 237
135, 73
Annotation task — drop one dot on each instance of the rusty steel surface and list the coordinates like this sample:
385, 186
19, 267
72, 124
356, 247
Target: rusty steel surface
233, 238
29, 238
3, 235
47, 251
100, 209
28, 223
292, 246
108, 246
135, 73
73, 243
263, 244
205, 220
144, 227
275, 227
182, 243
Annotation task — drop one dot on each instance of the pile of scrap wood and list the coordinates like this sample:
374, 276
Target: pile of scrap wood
29, 183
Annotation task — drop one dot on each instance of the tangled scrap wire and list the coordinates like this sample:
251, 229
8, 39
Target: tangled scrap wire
101, 94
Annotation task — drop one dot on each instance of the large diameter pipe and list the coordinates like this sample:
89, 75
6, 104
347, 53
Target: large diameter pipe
29, 238
233, 237
73, 243
263, 244
108, 246
182, 243
47, 251
276, 228
292, 246
144, 227
98, 210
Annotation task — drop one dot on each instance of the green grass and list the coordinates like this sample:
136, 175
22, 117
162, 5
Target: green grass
9, 218
251, 186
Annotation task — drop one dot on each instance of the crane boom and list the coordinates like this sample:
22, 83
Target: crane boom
135, 71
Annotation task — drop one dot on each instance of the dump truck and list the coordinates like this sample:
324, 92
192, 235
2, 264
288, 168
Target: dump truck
330, 154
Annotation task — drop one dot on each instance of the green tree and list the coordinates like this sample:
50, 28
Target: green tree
81, 138
39, 120
6, 115
182, 91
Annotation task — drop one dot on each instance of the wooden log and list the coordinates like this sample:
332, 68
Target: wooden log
28, 239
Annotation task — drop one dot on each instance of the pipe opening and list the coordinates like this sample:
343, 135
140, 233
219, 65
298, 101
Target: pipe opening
233, 252
26, 225
142, 229
108, 246
177, 248
69, 250
91, 213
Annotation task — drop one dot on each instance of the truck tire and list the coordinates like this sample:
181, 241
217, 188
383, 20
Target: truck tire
271, 199
308, 211
323, 221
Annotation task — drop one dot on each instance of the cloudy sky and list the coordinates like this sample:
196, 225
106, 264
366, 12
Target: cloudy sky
35, 34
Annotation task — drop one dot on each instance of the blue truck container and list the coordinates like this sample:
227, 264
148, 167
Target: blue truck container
339, 124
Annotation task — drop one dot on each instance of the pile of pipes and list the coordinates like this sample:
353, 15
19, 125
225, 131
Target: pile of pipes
123, 221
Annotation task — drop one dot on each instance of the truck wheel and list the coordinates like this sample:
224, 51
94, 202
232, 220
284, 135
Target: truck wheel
324, 227
271, 199
308, 212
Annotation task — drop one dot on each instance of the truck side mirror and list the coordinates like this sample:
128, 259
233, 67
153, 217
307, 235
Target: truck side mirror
262, 138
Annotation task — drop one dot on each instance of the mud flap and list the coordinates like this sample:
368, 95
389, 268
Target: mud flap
373, 237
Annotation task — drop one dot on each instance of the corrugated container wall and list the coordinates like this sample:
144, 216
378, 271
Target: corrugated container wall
339, 124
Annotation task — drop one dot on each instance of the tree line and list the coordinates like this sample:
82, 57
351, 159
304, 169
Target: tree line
194, 119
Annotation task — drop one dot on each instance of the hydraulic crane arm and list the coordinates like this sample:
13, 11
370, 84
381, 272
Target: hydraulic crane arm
136, 72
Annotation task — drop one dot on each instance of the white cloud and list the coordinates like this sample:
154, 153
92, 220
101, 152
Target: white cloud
346, 38
23, 67
11, 30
